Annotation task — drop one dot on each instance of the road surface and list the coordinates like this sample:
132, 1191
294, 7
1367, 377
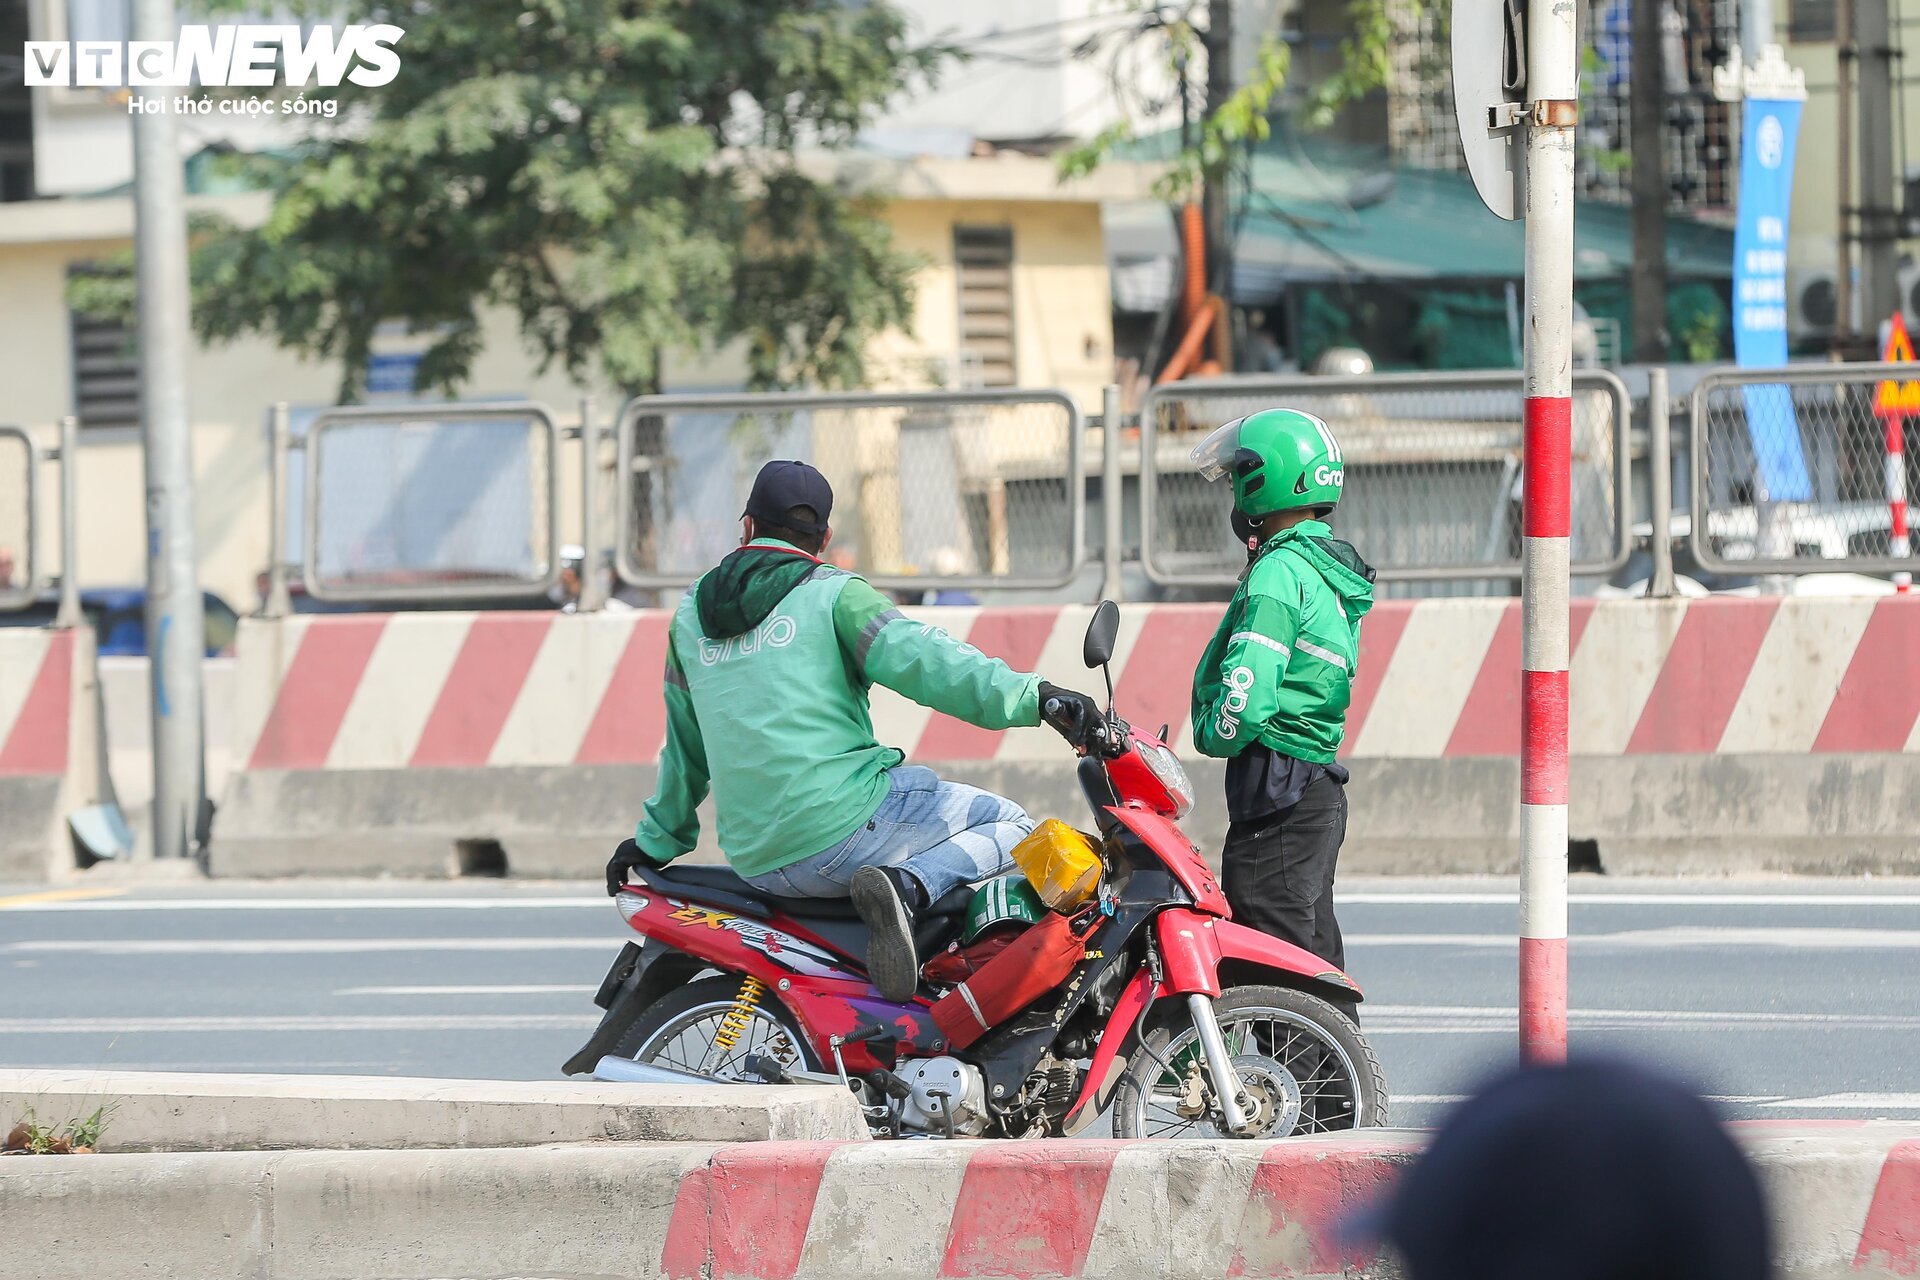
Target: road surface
1782, 998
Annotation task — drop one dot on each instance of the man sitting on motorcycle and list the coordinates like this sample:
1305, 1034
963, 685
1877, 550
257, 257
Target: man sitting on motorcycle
769, 659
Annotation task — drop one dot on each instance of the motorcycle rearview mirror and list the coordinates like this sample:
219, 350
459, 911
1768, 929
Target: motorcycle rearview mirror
1101, 634
1097, 650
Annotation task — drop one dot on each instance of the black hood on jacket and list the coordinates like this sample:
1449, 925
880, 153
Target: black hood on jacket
739, 592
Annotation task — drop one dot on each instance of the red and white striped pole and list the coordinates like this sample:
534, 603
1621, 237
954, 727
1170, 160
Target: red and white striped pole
1899, 547
1547, 527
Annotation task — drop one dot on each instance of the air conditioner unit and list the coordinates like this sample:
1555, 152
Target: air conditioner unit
1910, 294
1814, 305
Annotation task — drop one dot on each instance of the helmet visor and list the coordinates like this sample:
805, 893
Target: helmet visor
1213, 457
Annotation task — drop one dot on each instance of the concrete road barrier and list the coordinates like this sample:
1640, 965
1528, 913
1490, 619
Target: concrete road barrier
1718, 735
168, 1111
1845, 1202
52, 759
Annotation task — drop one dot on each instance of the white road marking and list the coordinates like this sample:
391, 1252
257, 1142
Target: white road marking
1851, 1102
527, 990
1673, 938
297, 946
1439, 1015
201, 1024
1496, 898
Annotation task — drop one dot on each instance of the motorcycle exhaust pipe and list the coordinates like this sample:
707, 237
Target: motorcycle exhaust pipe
627, 1071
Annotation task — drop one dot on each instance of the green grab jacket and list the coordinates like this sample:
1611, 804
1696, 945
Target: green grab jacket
769, 659
1279, 670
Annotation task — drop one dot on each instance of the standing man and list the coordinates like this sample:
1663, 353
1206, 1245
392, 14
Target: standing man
769, 659
1271, 693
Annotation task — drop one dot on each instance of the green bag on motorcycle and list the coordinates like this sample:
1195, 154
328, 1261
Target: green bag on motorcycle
1010, 899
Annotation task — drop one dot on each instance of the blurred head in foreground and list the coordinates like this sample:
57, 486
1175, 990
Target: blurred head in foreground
1597, 1170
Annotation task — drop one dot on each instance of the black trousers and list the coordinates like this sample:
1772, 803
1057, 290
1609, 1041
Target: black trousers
1278, 871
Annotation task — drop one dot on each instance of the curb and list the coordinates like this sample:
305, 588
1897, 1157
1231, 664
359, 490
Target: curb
1845, 1202
179, 1112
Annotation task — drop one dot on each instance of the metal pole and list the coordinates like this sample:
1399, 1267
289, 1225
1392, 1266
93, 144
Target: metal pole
69, 614
279, 602
1215, 198
1647, 130
1660, 483
1844, 53
1546, 527
593, 592
1879, 217
1898, 544
175, 630
1112, 495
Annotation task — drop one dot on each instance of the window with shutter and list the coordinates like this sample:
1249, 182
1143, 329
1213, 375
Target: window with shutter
983, 257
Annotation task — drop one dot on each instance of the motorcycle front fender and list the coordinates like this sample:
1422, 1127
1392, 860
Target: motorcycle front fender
1196, 947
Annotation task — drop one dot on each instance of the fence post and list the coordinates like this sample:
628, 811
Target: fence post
69, 614
1660, 483
1113, 488
279, 602
593, 590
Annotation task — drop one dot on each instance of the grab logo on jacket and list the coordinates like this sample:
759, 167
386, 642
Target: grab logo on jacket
1239, 680
776, 631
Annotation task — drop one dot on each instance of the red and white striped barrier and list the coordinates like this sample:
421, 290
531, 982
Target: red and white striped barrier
1026, 1209
1437, 679
383, 743
36, 684
50, 762
1845, 1201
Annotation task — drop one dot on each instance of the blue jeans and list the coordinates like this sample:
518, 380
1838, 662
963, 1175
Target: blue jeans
945, 834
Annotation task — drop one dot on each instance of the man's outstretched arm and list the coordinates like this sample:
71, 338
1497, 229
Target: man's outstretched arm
924, 663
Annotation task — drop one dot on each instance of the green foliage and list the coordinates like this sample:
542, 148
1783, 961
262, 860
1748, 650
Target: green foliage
1243, 119
75, 1136
619, 174
1364, 59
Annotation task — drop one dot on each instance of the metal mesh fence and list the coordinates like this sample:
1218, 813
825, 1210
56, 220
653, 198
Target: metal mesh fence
18, 500
1432, 464
940, 490
432, 501
1795, 472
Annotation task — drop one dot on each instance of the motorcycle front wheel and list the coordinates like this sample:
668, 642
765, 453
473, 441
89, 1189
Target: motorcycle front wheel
1304, 1064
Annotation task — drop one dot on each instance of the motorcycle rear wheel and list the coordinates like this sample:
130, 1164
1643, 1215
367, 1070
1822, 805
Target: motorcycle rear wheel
1306, 1064
681, 1030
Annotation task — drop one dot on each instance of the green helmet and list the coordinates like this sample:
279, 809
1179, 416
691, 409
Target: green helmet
998, 902
1280, 460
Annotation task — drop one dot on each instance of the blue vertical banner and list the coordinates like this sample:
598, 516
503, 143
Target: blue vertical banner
1770, 128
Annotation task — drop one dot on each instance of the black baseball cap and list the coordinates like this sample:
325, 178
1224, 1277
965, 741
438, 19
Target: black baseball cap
783, 485
1596, 1170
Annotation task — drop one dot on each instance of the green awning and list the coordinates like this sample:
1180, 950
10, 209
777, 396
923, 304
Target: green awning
1311, 209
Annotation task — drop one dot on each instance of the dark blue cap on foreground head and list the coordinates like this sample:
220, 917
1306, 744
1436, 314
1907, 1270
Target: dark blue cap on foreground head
780, 487
1598, 1170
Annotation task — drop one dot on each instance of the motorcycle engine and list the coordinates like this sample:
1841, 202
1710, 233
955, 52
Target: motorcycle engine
944, 1087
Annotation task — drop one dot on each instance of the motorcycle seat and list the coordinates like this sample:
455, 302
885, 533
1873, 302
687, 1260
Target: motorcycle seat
833, 919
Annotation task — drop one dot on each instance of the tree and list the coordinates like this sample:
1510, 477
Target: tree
1241, 118
621, 174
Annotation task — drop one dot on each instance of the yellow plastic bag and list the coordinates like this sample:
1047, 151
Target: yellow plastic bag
1061, 864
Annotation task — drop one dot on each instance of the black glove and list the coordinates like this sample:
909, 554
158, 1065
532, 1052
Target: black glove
627, 855
1072, 714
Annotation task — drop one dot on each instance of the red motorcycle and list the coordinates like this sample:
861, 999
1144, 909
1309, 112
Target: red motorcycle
1141, 996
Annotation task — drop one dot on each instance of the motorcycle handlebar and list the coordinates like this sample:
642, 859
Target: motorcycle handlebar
1088, 735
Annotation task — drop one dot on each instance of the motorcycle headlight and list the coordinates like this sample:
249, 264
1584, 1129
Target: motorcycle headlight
1166, 767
